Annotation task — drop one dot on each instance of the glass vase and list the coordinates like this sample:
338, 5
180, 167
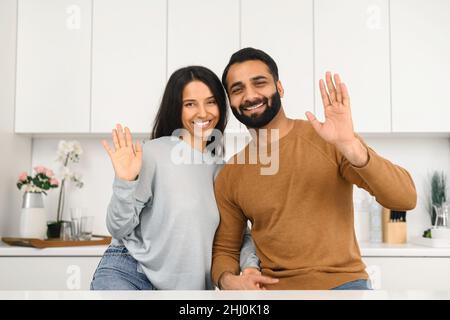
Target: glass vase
33, 218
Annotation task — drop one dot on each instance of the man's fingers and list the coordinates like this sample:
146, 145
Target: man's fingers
337, 81
264, 280
345, 95
330, 86
324, 94
250, 270
313, 120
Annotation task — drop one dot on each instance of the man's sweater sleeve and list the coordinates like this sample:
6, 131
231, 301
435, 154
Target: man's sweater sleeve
391, 185
229, 234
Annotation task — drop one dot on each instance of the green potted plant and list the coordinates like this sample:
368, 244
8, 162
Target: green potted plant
437, 198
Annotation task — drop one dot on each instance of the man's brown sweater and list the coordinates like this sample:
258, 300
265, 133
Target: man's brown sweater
302, 216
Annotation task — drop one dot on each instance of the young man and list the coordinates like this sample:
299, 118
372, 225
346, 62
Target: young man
302, 215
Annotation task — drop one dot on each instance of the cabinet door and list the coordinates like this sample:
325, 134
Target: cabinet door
53, 66
284, 30
352, 39
47, 273
420, 35
409, 273
128, 63
203, 32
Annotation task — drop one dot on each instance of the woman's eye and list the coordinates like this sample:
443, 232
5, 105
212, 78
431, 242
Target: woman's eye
212, 102
189, 104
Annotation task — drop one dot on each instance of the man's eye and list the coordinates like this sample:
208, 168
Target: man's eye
259, 84
237, 90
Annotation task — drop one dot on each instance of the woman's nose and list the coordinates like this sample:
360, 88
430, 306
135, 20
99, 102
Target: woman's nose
201, 111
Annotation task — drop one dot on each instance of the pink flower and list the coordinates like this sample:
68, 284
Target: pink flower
23, 177
54, 182
49, 173
40, 169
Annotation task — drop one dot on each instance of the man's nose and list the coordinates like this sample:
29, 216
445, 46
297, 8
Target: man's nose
250, 95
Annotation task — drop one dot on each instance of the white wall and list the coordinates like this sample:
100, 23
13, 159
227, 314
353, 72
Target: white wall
97, 172
15, 151
418, 155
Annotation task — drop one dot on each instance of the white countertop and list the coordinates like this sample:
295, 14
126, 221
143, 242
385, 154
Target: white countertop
227, 295
367, 250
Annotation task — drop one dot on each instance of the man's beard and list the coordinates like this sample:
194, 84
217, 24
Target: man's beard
259, 120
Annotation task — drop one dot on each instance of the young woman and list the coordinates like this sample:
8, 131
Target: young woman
163, 213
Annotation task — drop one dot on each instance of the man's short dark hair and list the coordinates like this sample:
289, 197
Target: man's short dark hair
247, 54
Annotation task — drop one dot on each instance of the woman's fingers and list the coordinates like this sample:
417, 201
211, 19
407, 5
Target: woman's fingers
115, 138
107, 148
138, 150
121, 135
128, 137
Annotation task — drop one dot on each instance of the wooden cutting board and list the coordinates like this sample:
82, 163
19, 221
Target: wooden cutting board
96, 240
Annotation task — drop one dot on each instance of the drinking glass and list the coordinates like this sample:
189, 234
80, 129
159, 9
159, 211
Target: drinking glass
76, 214
87, 224
66, 231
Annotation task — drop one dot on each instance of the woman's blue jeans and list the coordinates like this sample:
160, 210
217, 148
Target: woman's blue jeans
118, 270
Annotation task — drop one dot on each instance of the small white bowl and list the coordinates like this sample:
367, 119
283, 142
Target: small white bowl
440, 233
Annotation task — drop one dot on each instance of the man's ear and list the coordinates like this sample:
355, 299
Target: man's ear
280, 88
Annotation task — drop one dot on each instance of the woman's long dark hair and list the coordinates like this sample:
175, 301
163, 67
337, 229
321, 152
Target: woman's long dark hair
168, 118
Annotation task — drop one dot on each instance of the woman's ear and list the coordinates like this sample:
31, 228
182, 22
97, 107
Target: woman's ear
280, 88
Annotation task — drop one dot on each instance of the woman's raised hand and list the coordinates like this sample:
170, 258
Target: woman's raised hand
126, 158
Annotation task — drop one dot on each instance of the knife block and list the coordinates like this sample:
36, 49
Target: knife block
393, 232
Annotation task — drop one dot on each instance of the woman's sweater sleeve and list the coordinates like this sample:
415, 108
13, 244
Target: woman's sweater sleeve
248, 257
129, 198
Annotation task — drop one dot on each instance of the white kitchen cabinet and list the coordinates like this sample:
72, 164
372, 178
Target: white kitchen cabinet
53, 66
47, 273
352, 39
284, 30
420, 45
128, 63
203, 32
409, 273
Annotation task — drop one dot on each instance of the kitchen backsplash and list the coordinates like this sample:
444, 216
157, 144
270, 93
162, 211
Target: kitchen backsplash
418, 155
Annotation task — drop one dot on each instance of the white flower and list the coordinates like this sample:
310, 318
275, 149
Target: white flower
77, 148
33, 188
66, 173
77, 179
69, 150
